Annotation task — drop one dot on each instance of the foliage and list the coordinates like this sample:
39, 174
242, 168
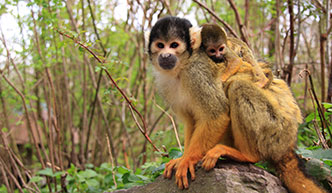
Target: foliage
307, 133
97, 179
100, 179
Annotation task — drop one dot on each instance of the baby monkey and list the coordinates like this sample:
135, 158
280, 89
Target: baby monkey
221, 48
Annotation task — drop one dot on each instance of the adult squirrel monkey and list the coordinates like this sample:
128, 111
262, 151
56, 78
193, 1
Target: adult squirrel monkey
200, 102
264, 121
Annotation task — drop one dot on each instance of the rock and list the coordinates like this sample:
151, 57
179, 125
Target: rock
227, 177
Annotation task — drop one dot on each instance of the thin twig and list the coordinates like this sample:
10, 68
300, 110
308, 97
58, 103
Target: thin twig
217, 17
319, 108
9, 173
27, 118
10, 59
320, 136
112, 161
54, 119
116, 86
141, 129
319, 5
5, 179
239, 23
174, 126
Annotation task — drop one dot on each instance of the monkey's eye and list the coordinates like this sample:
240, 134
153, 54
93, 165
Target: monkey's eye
174, 45
221, 49
160, 45
212, 51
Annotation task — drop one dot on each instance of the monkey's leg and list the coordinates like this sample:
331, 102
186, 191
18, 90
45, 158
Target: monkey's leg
212, 156
206, 135
232, 67
257, 123
188, 130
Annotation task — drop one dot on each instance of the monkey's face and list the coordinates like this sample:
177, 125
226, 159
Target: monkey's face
216, 52
167, 55
169, 44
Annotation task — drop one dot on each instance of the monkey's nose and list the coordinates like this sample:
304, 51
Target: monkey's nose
165, 55
167, 61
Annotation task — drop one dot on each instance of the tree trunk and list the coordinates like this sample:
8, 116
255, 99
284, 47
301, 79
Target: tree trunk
289, 70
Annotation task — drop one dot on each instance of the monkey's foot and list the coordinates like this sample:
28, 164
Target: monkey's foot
172, 164
182, 169
211, 158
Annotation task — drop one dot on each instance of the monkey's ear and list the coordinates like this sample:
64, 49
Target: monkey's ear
195, 37
146, 39
223, 30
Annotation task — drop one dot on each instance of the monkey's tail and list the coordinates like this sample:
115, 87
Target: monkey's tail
292, 175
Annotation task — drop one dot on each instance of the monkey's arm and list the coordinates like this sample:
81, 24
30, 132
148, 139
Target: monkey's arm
233, 63
206, 135
188, 130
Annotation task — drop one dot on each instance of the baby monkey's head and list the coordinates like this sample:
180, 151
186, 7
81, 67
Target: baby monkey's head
214, 41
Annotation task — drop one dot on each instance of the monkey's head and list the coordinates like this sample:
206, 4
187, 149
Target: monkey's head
169, 43
214, 41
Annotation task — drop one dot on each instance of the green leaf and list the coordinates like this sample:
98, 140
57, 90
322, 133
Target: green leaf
133, 178
322, 154
106, 167
328, 162
316, 168
56, 174
125, 177
36, 179
108, 179
33, 97
327, 105
144, 178
123, 170
175, 153
92, 183
88, 173
310, 117
97, 68
46, 172
316, 153
4, 129
81, 49
90, 166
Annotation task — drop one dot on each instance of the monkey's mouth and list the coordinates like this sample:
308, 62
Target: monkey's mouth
219, 59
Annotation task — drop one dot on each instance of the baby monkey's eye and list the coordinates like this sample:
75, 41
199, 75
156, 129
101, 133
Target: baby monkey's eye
160, 45
221, 49
212, 51
174, 45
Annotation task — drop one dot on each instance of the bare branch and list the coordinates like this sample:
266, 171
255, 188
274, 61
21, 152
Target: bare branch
239, 23
217, 17
318, 5
112, 161
116, 86
174, 126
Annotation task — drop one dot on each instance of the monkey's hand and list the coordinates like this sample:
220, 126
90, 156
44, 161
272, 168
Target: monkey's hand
172, 164
186, 163
231, 69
